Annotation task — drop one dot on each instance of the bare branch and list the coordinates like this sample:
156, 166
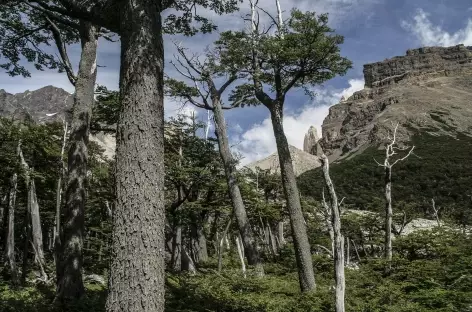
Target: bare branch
62, 51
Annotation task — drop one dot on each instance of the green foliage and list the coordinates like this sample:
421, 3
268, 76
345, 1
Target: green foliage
24, 33
303, 53
433, 173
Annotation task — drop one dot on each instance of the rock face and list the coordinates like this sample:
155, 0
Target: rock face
429, 89
302, 162
44, 105
309, 143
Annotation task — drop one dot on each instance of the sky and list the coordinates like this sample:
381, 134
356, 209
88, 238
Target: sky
373, 29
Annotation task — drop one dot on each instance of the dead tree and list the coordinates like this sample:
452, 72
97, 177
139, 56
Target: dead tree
390, 151
338, 245
34, 218
436, 212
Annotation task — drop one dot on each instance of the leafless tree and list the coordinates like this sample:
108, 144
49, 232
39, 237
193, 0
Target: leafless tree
391, 150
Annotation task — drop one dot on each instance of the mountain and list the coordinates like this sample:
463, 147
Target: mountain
310, 140
428, 92
302, 162
47, 104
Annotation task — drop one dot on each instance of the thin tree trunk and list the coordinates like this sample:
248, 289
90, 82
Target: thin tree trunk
273, 243
37, 235
70, 284
177, 248
32, 215
280, 232
247, 235
10, 261
357, 252
338, 238
57, 220
220, 245
306, 274
187, 262
26, 242
348, 251
241, 256
388, 216
137, 272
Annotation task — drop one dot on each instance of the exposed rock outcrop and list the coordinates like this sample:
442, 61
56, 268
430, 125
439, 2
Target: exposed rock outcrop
301, 160
311, 138
47, 104
429, 89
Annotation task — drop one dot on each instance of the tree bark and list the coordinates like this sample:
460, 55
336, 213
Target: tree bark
241, 256
10, 261
176, 260
199, 249
220, 244
37, 234
137, 272
388, 216
306, 274
229, 163
280, 236
70, 284
338, 237
57, 220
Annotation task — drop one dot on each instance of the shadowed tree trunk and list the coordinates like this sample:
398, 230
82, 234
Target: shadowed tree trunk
57, 220
306, 274
388, 215
137, 269
247, 235
280, 234
10, 263
69, 263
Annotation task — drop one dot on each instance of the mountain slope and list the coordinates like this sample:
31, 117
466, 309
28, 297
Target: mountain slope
429, 90
302, 162
429, 93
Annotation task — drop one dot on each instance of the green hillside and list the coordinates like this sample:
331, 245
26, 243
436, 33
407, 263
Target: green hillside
440, 168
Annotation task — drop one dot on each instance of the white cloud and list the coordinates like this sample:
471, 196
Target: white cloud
258, 141
432, 35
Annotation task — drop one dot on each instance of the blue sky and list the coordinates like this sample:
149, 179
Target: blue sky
374, 30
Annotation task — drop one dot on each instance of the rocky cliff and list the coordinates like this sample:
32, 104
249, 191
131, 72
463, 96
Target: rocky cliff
47, 104
429, 90
310, 140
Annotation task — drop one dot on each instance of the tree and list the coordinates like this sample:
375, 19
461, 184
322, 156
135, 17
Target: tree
337, 237
23, 38
390, 150
204, 93
303, 52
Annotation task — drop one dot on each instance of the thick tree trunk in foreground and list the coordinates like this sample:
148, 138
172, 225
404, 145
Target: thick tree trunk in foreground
69, 266
137, 269
338, 237
247, 235
306, 274
10, 263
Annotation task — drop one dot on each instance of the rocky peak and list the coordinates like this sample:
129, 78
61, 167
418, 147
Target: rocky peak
301, 161
45, 104
428, 89
311, 138
422, 61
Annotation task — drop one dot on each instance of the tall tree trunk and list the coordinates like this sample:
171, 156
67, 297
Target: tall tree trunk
388, 216
69, 265
198, 240
37, 234
10, 261
137, 273
241, 256
32, 215
57, 219
220, 244
338, 237
26, 242
306, 274
177, 247
247, 235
